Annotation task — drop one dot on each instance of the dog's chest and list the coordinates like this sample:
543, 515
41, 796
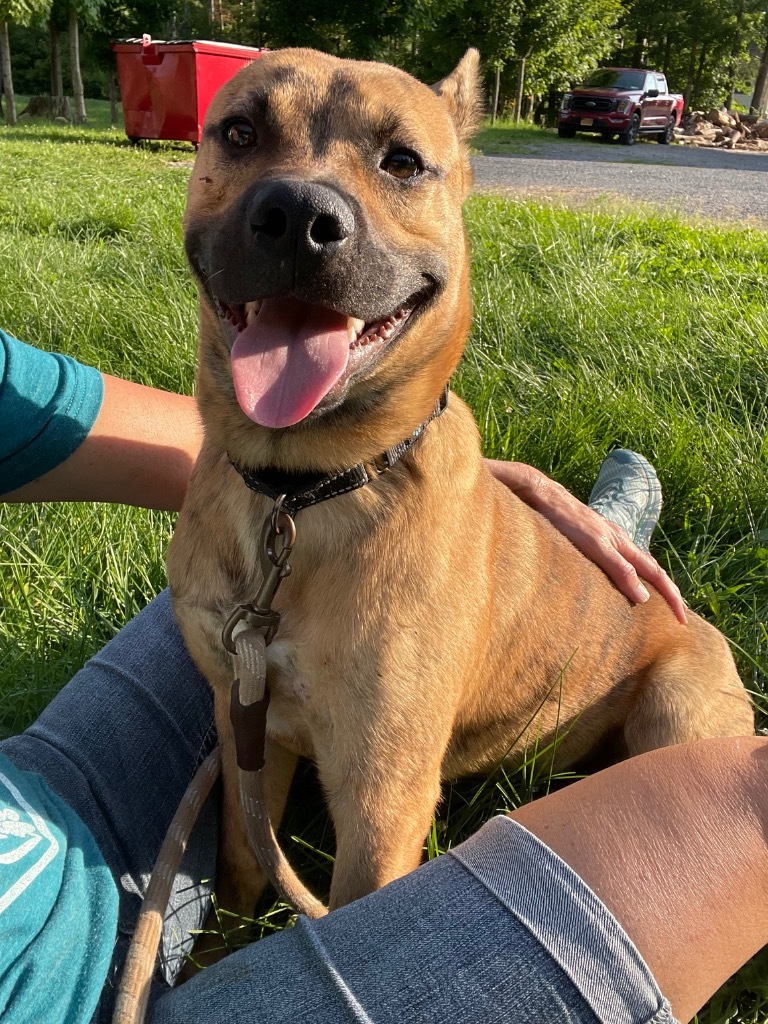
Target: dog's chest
290, 710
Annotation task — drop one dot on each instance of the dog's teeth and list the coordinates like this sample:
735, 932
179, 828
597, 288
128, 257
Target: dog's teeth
354, 329
251, 310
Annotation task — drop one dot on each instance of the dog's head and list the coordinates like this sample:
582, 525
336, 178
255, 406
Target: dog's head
324, 228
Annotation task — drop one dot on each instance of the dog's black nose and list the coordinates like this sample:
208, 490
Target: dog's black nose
299, 219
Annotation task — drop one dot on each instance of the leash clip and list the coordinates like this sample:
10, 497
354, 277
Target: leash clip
278, 536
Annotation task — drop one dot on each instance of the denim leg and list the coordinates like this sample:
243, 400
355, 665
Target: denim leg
120, 744
476, 938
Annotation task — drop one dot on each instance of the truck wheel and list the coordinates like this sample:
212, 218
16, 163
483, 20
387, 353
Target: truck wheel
668, 134
629, 137
566, 133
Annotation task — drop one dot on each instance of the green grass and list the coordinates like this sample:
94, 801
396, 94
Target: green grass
593, 329
506, 137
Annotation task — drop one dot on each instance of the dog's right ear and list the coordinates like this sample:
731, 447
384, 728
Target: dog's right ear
462, 94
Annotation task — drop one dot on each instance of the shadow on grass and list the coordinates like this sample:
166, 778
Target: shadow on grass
46, 132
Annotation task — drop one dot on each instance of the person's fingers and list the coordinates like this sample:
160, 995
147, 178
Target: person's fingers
620, 570
600, 540
649, 570
626, 565
621, 560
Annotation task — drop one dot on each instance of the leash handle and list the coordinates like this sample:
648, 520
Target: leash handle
248, 713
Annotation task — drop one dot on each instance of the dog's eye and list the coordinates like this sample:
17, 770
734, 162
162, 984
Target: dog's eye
402, 164
239, 133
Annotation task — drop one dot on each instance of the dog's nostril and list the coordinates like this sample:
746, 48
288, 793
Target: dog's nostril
273, 223
327, 228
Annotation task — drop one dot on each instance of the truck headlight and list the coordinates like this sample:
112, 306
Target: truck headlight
624, 106
565, 102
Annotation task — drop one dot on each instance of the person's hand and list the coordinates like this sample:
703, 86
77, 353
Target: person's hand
600, 540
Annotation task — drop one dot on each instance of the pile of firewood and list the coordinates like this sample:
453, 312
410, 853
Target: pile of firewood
723, 129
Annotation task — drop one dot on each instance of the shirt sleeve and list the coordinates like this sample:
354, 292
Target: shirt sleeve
58, 906
48, 404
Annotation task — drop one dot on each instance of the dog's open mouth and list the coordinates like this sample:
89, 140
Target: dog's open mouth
290, 357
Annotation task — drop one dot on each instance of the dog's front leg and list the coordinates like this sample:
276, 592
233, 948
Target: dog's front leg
382, 806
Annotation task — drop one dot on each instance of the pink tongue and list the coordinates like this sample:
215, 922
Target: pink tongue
287, 360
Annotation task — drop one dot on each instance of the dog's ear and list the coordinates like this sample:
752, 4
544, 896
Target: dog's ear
462, 94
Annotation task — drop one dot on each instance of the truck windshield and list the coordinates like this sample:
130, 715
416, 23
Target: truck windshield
607, 78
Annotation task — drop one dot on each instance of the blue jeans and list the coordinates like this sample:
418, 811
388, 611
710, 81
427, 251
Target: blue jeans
500, 930
120, 744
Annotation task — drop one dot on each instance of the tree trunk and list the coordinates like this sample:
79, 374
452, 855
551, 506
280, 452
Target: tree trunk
80, 116
638, 53
5, 56
60, 107
112, 97
733, 66
496, 84
520, 87
760, 95
553, 102
687, 95
699, 74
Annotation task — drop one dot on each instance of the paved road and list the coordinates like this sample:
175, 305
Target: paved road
709, 182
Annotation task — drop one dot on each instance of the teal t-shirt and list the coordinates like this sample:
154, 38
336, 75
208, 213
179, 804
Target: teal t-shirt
58, 907
58, 899
48, 403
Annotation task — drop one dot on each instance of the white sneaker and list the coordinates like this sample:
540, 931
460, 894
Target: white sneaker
628, 493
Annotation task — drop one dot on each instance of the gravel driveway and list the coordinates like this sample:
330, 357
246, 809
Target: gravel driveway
715, 183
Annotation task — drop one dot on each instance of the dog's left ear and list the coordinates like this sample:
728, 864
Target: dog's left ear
462, 94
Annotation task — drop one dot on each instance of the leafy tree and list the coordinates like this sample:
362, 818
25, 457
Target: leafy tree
703, 46
565, 39
346, 28
21, 12
489, 25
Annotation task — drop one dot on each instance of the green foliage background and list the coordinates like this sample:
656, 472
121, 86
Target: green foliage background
708, 48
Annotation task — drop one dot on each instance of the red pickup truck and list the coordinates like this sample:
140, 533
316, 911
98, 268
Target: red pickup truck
627, 102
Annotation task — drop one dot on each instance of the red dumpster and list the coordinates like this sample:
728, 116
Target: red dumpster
166, 86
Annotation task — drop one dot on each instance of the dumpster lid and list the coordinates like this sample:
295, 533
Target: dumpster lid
206, 43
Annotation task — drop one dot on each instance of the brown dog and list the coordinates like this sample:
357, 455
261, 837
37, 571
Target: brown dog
433, 624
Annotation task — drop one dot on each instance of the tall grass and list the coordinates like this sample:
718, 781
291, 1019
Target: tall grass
593, 329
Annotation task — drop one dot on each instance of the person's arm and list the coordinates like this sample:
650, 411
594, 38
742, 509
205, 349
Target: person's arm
675, 844
139, 451
601, 541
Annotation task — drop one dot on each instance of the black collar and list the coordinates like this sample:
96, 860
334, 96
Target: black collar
304, 489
